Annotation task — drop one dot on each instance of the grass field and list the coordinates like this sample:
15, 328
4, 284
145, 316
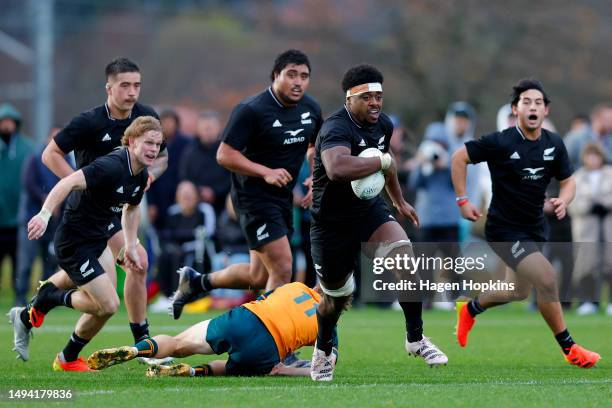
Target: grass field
512, 360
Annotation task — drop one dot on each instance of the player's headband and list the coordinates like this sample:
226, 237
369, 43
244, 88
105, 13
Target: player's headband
363, 88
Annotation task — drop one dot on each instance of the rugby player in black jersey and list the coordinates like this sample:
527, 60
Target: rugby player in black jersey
264, 146
342, 221
96, 193
522, 160
90, 135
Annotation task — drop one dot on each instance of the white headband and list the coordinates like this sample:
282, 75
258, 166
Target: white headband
359, 89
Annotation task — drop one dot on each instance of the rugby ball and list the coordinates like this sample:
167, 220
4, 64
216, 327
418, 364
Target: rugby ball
369, 186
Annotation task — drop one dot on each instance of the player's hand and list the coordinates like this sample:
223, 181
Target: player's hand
549, 208
408, 211
560, 207
278, 177
307, 199
470, 212
36, 227
132, 259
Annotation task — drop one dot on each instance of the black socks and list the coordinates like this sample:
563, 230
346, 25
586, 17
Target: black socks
140, 331
325, 333
474, 307
413, 312
565, 341
73, 348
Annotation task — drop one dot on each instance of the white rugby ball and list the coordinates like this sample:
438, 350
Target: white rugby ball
369, 186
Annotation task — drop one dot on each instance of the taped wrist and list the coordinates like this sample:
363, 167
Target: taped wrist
385, 161
45, 215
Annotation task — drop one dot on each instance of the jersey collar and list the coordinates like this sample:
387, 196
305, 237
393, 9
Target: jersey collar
274, 97
129, 161
110, 116
518, 129
351, 117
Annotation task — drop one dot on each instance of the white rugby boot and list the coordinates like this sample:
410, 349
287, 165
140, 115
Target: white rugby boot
322, 365
428, 351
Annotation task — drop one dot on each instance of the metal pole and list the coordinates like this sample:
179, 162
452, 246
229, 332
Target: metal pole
43, 67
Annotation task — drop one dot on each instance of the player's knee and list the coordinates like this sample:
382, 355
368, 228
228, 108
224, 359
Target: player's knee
520, 294
182, 348
259, 280
283, 267
145, 265
139, 274
281, 275
108, 306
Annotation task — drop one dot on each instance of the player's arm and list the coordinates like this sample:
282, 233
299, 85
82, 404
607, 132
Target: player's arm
307, 199
281, 369
394, 190
130, 220
55, 159
38, 224
459, 165
567, 191
341, 166
235, 161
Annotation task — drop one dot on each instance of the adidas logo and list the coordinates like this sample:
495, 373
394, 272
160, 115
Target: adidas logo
277, 123
260, 232
106, 138
362, 143
517, 250
120, 190
515, 156
110, 226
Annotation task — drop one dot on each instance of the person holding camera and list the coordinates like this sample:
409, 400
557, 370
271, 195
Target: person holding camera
591, 214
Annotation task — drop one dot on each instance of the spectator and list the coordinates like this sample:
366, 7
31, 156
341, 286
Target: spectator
160, 195
231, 237
435, 202
600, 131
188, 225
37, 180
460, 123
234, 250
199, 164
559, 231
14, 149
580, 122
505, 118
592, 225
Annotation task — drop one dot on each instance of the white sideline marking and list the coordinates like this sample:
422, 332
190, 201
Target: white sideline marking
94, 392
292, 387
369, 325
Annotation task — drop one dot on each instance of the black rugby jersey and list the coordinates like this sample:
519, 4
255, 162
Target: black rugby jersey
335, 200
520, 172
110, 185
95, 133
269, 133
